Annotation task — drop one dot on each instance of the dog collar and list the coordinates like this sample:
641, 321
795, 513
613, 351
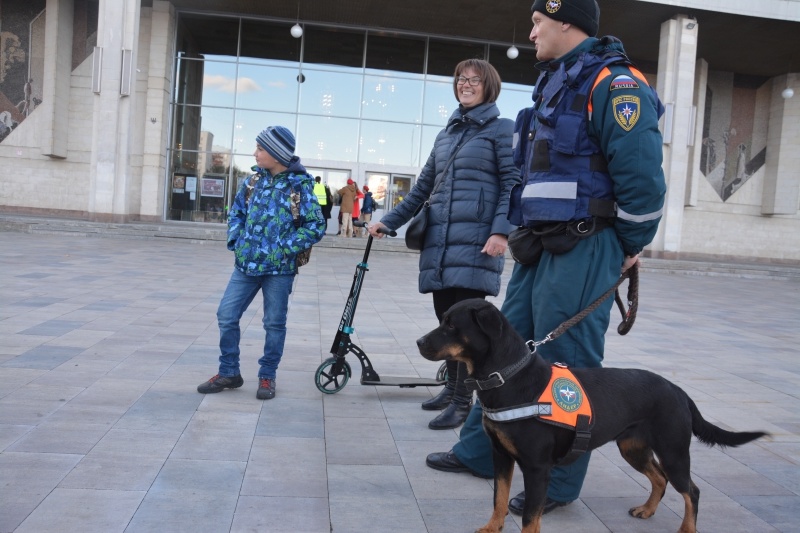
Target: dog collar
496, 379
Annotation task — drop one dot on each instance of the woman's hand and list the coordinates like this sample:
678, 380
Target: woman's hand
496, 245
373, 230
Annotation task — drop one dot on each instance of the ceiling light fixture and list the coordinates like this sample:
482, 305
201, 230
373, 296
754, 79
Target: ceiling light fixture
513, 51
297, 29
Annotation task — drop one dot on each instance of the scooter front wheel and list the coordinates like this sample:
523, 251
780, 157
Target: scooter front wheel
330, 377
441, 374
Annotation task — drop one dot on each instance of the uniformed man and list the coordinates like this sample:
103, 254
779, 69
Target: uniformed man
592, 189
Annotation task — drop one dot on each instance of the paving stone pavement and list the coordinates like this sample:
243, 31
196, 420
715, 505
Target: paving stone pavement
103, 341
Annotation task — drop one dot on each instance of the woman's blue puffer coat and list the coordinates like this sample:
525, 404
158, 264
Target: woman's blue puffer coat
469, 205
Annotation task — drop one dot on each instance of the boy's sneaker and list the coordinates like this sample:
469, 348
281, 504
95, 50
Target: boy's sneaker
218, 384
266, 389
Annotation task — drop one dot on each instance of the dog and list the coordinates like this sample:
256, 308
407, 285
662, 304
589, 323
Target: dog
651, 419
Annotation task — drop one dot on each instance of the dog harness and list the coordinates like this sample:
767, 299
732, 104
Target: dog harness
562, 403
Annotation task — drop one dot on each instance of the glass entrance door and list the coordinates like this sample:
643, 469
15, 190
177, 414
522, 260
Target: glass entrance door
388, 190
399, 187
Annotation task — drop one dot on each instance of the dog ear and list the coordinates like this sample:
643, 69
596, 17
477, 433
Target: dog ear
489, 319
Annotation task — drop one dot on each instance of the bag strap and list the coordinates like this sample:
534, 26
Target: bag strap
295, 207
461, 143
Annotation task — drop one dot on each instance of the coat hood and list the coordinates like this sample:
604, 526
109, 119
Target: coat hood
480, 114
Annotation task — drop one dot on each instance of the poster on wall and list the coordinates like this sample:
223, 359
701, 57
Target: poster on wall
178, 183
214, 187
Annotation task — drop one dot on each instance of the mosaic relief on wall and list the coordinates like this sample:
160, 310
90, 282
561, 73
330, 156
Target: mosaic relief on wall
22, 26
22, 44
734, 131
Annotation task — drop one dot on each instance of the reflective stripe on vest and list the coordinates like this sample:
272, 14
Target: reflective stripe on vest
560, 404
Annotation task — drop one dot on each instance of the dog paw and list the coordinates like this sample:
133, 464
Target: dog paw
641, 512
488, 528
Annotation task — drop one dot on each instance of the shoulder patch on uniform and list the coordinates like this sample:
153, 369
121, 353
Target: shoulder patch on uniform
623, 81
626, 110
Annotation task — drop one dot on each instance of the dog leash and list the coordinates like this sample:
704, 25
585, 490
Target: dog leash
628, 317
497, 379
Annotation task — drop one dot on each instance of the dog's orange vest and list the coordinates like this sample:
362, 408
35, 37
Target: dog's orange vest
565, 393
563, 403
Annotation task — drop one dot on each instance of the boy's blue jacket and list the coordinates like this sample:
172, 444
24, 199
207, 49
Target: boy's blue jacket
261, 231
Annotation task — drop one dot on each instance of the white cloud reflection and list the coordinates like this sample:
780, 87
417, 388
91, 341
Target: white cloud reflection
229, 85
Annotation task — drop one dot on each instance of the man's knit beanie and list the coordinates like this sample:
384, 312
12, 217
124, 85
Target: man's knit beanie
279, 142
584, 14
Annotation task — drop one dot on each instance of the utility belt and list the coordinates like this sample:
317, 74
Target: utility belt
526, 244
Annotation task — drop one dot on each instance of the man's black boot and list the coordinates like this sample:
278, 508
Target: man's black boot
517, 503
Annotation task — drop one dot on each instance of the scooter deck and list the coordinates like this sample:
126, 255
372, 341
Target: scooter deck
403, 382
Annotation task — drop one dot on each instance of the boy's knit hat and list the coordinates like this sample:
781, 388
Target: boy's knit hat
279, 142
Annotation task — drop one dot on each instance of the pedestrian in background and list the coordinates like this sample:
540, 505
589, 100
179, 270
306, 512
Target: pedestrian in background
347, 197
366, 208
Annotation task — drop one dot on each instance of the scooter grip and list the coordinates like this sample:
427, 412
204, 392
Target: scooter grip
382, 229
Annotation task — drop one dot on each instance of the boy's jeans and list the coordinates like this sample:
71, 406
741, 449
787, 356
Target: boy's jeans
241, 290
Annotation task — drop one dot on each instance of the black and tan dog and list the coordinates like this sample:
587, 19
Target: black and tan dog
651, 419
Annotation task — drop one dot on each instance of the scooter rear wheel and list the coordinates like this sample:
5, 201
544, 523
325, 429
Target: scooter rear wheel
331, 380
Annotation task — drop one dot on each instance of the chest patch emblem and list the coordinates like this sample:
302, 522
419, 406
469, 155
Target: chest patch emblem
567, 395
626, 111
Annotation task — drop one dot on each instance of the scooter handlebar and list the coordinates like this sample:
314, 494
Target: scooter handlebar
381, 229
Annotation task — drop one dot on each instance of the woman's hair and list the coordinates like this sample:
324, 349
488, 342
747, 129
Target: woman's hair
487, 73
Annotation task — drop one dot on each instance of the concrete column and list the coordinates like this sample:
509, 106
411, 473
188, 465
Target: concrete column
676, 73
110, 172
781, 179
156, 118
57, 72
695, 175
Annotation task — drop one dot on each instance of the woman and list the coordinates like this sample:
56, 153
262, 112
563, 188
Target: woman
357, 210
467, 232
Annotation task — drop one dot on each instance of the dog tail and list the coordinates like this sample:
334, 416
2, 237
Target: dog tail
712, 435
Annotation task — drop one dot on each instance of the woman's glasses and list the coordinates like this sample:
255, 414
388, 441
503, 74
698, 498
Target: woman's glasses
473, 81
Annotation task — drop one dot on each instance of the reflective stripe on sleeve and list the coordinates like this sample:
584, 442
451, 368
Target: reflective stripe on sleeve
638, 218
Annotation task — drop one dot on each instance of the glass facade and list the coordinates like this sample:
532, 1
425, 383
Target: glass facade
354, 99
